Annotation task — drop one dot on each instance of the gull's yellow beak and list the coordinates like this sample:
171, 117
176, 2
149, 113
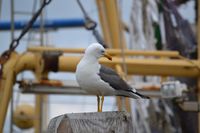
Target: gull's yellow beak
107, 56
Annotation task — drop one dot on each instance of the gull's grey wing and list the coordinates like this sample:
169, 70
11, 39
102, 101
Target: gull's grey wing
108, 70
113, 79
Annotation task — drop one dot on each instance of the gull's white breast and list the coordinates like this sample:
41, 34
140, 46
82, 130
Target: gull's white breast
89, 80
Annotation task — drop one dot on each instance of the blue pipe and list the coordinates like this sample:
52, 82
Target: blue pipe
48, 24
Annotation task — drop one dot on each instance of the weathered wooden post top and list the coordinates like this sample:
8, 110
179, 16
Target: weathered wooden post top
98, 122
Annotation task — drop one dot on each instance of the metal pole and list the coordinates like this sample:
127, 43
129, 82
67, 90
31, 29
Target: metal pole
40, 122
12, 37
175, 67
113, 24
50, 24
104, 23
198, 44
113, 20
6, 88
0, 8
114, 52
38, 97
41, 25
7, 95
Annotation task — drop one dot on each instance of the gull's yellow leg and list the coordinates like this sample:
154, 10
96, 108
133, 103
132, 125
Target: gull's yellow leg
98, 103
102, 100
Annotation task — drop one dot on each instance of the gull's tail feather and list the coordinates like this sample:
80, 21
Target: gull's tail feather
131, 94
140, 95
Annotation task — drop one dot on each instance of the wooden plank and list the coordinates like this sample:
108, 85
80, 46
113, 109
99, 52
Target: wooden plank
97, 122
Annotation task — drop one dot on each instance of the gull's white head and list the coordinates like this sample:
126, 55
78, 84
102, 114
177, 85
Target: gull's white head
97, 50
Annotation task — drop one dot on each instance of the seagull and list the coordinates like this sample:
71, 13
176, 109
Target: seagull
100, 80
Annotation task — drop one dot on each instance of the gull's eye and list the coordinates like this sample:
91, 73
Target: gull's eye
102, 51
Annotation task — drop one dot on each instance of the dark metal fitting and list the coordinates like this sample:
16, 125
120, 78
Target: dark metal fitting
90, 24
51, 60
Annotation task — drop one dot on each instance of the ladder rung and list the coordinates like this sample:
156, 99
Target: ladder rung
23, 13
32, 39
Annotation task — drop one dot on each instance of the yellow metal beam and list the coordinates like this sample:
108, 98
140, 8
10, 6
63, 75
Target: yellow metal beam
26, 61
168, 67
103, 21
7, 81
41, 111
114, 23
112, 29
113, 34
5, 97
160, 67
38, 97
38, 110
11, 68
110, 51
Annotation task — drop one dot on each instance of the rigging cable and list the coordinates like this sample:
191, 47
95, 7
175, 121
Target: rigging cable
91, 25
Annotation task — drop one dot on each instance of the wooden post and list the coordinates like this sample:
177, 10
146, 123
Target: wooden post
104, 122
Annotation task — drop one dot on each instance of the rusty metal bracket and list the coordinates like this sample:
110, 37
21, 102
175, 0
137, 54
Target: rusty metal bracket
51, 60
